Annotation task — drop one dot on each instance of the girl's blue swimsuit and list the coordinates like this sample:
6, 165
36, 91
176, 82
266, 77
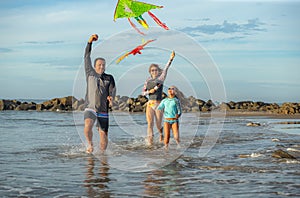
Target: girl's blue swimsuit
171, 107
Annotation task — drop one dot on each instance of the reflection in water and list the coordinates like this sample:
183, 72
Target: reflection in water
97, 177
162, 183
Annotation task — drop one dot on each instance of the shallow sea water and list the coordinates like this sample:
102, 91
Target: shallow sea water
42, 154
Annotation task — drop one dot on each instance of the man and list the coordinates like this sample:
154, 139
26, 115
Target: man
99, 95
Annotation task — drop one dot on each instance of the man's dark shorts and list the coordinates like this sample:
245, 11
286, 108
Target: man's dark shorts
102, 123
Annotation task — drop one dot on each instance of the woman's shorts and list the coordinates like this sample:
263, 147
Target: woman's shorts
102, 122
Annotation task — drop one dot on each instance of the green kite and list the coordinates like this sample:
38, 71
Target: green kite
131, 8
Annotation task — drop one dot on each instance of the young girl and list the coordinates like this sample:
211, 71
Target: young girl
172, 112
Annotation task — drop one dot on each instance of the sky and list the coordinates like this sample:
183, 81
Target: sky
251, 47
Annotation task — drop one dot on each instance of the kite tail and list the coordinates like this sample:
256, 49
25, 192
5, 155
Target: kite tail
132, 25
163, 25
142, 21
121, 58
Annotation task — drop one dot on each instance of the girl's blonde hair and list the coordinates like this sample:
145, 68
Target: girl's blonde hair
179, 94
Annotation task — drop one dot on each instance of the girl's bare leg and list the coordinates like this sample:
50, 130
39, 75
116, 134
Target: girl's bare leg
175, 129
167, 128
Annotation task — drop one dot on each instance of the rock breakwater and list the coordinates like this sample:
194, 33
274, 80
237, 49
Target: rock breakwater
131, 104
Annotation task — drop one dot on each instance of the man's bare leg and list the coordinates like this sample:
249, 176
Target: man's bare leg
88, 132
103, 139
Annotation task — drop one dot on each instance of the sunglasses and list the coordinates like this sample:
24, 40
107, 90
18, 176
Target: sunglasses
171, 88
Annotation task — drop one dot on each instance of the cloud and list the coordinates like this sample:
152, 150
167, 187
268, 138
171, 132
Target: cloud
202, 19
227, 28
44, 42
5, 50
70, 63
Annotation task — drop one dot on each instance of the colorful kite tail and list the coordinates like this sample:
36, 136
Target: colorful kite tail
142, 21
132, 25
163, 25
121, 58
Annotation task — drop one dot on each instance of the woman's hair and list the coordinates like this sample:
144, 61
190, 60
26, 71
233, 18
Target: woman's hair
156, 66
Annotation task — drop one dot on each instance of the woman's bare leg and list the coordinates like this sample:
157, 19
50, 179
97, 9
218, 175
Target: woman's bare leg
158, 119
150, 121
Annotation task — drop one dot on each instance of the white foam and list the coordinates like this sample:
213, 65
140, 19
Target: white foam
293, 149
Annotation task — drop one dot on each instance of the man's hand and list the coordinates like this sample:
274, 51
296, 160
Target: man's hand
110, 100
93, 38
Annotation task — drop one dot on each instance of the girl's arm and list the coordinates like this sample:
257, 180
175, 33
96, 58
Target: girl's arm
161, 106
178, 106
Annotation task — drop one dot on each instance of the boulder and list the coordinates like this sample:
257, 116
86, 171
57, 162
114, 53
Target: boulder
200, 102
130, 101
9, 104
253, 124
137, 108
205, 108
26, 106
289, 108
67, 101
224, 107
282, 154
59, 107
124, 99
210, 103
142, 99
40, 107
231, 104
76, 105
1, 105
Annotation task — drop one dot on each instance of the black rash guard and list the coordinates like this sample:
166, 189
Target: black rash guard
152, 82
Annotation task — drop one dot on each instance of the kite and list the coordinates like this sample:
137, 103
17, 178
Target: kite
135, 51
134, 9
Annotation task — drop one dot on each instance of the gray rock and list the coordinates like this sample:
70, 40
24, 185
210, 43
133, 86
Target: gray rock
282, 154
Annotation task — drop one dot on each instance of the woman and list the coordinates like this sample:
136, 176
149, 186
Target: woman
172, 112
153, 87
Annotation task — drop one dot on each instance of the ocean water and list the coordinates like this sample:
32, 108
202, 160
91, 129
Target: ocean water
42, 154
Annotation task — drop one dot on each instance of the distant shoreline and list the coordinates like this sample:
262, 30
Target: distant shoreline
190, 104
